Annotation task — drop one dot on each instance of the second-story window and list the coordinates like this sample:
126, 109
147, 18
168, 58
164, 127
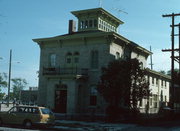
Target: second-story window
141, 65
162, 83
165, 83
68, 58
94, 59
153, 80
52, 60
72, 59
157, 81
76, 59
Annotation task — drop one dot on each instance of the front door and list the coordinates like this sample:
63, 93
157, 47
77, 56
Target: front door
61, 101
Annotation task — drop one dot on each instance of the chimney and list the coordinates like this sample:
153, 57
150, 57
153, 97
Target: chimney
72, 26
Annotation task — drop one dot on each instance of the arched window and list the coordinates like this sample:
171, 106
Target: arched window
69, 58
117, 55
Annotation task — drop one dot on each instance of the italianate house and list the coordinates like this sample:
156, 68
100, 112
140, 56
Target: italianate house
70, 65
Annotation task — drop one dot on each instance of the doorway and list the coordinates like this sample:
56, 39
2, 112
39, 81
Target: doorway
60, 101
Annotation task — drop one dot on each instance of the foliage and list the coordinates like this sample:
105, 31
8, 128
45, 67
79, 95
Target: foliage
2, 95
18, 85
176, 75
163, 72
3, 78
3, 84
175, 70
123, 83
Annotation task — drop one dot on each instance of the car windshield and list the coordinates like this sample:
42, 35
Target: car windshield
46, 111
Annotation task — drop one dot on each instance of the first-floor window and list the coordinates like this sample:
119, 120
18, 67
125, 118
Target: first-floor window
117, 55
150, 101
140, 102
93, 100
155, 101
93, 96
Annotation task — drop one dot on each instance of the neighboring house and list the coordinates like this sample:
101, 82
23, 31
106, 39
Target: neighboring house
159, 85
70, 64
29, 97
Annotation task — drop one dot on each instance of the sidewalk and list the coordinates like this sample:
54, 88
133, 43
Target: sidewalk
90, 126
67, 125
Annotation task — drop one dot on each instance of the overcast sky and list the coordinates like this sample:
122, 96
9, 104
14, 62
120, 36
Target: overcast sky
23, 20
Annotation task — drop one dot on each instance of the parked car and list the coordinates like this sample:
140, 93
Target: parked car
27, 116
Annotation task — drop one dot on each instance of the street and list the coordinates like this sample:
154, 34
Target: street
67, 125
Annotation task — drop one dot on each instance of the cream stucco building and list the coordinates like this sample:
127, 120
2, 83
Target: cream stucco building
70, 64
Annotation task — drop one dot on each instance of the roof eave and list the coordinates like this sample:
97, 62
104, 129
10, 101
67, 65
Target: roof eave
158, 73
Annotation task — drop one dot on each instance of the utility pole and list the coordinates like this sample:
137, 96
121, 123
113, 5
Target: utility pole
9, 81
179, 48
178, 57
172, 56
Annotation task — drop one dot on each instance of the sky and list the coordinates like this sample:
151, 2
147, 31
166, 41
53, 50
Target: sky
23, 20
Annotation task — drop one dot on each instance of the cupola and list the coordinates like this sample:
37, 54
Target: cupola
96, 19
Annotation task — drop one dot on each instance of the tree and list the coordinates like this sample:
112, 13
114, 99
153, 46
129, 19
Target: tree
18, 85
3, 78
123, 84
3, 84
176, 75
163, 72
